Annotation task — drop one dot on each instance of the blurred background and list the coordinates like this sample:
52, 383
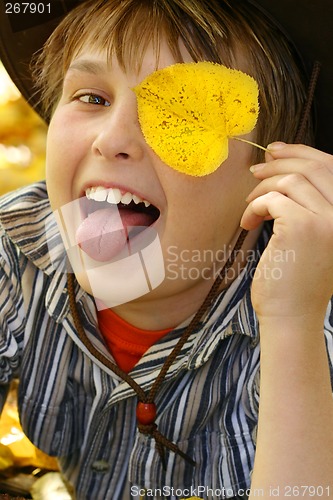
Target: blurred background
25, 472
22, 138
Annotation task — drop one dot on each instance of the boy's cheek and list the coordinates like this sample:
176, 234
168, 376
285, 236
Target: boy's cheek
58, 138
63, 150
64, 128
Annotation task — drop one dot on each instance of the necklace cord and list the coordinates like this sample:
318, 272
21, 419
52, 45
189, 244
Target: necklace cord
150, 428
309, 102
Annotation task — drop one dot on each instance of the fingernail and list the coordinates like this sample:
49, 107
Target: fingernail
256, 168
275, 146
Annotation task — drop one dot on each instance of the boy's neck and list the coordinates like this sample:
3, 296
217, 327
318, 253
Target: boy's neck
169, 312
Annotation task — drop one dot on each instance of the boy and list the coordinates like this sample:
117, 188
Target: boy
85, 358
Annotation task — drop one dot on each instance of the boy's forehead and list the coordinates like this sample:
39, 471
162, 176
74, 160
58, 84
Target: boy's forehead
93, 59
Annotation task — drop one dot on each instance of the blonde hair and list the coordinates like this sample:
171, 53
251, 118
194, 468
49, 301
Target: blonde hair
233, 33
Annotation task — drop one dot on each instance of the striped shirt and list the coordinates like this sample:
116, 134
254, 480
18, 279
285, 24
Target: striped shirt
73, 407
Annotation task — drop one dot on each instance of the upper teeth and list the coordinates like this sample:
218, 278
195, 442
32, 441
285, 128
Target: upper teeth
113, 195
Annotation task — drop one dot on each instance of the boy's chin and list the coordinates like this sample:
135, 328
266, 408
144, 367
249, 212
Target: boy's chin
84, 282
112, 291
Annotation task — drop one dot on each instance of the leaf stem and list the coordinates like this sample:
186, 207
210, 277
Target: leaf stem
250, 142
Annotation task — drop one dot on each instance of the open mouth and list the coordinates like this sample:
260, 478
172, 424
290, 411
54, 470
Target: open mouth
100, 197
111, 219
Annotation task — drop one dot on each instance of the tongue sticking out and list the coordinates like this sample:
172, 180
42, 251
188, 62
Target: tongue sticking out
104, 233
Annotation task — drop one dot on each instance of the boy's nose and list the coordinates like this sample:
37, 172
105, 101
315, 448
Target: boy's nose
119, 136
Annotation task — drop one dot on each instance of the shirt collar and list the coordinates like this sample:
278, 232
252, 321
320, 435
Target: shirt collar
27, 218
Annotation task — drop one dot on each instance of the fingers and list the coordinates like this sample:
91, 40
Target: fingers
272, 205
316, 196
297, 173
314, 166
283, 150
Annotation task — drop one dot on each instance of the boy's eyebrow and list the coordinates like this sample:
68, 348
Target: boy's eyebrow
88, 66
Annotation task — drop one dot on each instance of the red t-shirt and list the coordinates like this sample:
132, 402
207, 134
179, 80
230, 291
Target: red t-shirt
126, 342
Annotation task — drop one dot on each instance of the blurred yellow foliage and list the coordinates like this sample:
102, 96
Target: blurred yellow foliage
16, 450
22, 139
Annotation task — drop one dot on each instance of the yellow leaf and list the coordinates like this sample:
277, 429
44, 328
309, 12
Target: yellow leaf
188, 111
193, 498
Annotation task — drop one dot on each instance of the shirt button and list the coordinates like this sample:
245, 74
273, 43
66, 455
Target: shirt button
100, 466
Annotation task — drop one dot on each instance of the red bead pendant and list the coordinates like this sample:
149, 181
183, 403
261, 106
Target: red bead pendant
145, 413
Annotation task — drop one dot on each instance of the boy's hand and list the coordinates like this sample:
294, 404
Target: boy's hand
294, 278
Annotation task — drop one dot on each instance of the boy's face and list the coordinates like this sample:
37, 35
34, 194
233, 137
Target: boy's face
95, 140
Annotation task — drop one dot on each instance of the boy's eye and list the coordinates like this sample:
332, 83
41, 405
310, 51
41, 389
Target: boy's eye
93, 99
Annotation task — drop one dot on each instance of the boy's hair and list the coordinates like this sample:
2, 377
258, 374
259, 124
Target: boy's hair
229, 32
